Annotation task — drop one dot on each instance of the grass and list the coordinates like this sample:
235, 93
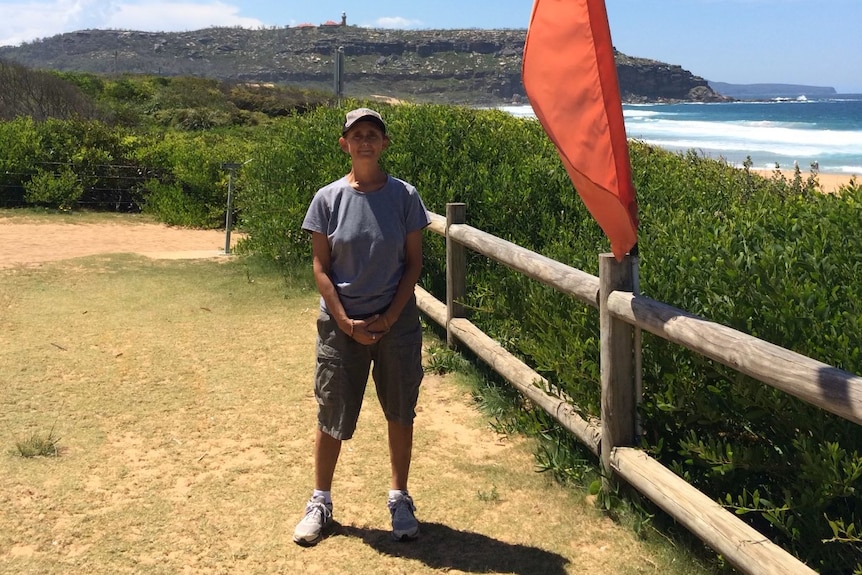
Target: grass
441, 360
39, 445
47, 215
182, 392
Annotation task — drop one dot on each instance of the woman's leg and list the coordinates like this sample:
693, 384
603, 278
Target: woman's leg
326, 452
400, 453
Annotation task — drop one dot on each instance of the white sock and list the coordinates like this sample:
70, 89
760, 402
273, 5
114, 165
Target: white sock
396, 493
327, 495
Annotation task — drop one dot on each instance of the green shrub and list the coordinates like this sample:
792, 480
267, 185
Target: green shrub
59, 190
294, 158
99, 155
170, 204
762, 256
190, 187
20, 143
38, 445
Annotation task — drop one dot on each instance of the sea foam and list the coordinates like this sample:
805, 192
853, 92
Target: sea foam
828, 134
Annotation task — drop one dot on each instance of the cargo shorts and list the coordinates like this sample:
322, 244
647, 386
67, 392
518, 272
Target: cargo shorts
343, 365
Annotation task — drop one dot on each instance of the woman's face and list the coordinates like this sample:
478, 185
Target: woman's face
364, 141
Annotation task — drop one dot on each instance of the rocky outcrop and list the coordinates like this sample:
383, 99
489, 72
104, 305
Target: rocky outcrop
643, 80
448, 66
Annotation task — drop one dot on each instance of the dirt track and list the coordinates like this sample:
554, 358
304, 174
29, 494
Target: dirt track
33, 243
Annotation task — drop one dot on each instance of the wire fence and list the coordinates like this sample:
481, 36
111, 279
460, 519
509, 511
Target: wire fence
108, 187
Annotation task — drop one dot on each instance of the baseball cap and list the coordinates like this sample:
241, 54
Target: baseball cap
362, 114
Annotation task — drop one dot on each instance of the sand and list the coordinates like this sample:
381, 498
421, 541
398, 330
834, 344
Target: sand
33, 243
829, 183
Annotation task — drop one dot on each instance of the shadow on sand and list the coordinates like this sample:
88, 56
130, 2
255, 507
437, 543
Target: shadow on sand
442, 547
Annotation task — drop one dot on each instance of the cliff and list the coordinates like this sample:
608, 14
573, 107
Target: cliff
480, 67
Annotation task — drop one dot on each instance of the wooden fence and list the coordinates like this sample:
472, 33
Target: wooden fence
623, 312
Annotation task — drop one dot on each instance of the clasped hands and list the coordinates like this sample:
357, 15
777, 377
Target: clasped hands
369, 330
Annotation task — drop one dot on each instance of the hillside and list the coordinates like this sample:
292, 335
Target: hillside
446, 66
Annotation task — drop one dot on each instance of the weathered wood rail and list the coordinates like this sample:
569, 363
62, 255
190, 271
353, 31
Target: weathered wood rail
622, 313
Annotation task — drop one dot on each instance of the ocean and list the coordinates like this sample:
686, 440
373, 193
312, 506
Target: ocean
823, 132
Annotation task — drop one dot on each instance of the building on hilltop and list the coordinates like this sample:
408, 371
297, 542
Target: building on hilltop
327, 24
343, 22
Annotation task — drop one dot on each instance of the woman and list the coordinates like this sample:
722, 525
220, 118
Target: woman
366, 237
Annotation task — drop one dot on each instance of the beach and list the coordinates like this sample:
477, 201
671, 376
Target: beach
829, 183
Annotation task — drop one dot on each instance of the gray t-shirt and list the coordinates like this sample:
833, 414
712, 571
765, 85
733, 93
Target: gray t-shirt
367, 235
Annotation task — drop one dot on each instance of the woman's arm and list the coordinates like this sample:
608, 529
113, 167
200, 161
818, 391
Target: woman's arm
321, 260
406, 285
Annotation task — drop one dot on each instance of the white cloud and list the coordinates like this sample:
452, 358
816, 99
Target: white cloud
176, 16
396, 22
26, 21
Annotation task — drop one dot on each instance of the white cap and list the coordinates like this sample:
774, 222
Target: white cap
362, 114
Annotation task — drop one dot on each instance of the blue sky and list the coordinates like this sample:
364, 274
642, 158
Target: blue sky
814, 42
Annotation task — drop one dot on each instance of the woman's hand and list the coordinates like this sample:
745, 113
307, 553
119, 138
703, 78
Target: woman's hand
380, 326
367, 331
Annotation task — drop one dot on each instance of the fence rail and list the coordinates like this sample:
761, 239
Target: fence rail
812, 381
622, 312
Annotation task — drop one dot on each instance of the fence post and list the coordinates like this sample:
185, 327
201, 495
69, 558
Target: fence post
456, 269
338, 79
619, 401
231, 167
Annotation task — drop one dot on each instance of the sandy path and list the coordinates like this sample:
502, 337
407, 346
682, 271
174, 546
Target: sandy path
33, 243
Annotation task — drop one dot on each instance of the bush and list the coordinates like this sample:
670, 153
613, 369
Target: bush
59, 190
98, 155
20, 144
190, 187
171, 205
294, 158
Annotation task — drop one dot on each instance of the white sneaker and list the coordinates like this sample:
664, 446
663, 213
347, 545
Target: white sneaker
318, 516
404, 524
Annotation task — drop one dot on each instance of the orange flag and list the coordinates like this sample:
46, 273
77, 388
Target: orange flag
571, 80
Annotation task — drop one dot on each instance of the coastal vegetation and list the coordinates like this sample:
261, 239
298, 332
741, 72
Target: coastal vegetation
769, 256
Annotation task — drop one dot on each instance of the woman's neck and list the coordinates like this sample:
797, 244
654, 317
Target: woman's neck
369, 180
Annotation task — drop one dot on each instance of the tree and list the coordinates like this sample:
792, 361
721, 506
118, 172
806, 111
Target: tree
40, 95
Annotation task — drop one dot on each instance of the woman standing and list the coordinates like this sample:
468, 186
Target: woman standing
366, 237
